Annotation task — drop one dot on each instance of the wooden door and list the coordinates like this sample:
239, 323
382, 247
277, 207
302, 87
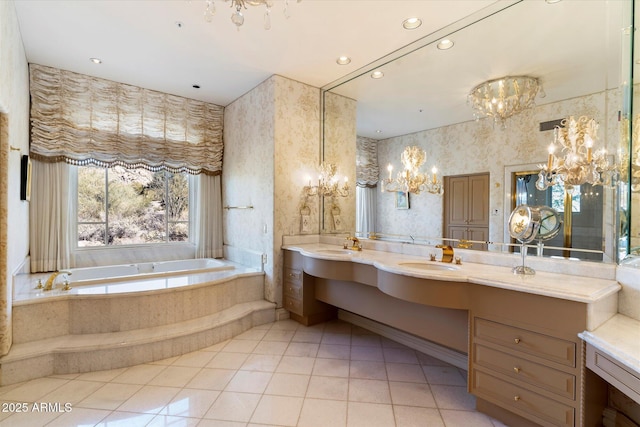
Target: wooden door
466, 208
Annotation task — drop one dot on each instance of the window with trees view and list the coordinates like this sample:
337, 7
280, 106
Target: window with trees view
119, 206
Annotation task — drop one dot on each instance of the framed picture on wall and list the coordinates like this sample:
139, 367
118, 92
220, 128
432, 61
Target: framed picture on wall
25, 178
402, 200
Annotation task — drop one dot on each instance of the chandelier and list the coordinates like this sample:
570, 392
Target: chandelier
328, 183
578, 163
502, 98
410, 179
237, 17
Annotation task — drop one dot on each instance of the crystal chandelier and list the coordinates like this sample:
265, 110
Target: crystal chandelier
237, 17
578, 163
504, 97
328, 183
410, 179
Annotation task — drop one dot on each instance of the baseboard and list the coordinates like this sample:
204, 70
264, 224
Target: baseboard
445, 354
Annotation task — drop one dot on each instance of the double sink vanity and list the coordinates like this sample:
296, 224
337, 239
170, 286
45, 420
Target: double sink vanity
518, 337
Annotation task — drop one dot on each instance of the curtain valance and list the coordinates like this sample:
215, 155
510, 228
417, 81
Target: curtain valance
366, 162
81, 120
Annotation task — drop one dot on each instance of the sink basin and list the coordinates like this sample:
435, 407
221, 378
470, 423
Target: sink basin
428, 266
335, 251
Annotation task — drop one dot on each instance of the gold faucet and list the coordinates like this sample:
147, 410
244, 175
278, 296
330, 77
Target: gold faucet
355, 246
447, 253
464, 244
51, 280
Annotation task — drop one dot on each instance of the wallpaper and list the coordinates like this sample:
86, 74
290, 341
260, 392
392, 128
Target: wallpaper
340, 149
271, 144
14, 108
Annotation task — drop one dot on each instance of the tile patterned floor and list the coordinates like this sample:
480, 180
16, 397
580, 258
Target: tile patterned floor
279, 374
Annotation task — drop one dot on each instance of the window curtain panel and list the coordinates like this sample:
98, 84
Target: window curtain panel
366, 201
83, 120
366, 162
207, 190
50, 216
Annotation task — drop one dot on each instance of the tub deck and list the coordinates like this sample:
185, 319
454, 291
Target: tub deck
25, 292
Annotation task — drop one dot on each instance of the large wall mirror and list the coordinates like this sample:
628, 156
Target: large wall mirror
581, 54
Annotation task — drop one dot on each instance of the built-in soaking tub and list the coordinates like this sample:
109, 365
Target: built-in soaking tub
147, 270
124, 315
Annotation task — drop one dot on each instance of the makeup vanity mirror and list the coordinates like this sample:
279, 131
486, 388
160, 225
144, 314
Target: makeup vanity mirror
581, 54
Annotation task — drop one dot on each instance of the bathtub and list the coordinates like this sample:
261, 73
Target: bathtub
123, 315
142, 271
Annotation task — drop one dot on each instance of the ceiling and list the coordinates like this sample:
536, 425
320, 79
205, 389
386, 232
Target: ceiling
572, 46
141, 44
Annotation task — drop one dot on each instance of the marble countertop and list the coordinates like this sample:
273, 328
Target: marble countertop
570, 287
25, 293
619, 337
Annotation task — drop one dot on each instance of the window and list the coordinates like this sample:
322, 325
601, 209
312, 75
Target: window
119, 206
557, 198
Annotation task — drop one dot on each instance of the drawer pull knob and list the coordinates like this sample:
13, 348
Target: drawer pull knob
516, 398
517, 340
516, 369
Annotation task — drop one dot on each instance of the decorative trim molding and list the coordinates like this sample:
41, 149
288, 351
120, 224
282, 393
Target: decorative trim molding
459, 360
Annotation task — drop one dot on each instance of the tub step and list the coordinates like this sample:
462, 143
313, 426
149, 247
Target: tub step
93, 352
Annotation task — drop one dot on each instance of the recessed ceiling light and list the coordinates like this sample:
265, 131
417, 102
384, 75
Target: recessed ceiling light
378, 131
553, 1
445, 44
377, 75
343, 60
96, 60
411, 23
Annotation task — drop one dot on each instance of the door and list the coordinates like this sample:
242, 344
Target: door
466, 208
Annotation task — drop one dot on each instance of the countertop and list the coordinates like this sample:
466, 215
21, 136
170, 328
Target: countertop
620, 338
570, 287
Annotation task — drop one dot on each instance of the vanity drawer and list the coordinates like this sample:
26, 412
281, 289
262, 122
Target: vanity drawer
293, 305
550, 379
532, 343
542, 410
293, 290
293, 275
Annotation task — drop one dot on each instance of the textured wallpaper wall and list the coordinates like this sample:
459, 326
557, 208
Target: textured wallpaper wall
272, 139
14, 214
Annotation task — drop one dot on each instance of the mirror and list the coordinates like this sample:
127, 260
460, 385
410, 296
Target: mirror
580, 59
630, 201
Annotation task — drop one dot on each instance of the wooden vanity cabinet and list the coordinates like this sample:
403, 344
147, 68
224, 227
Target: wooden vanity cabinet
526, 358
298, 291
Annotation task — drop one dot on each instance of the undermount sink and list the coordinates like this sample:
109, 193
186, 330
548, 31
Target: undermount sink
335, 251
428, 266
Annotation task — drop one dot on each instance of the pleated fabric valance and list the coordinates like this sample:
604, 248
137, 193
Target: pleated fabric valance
83, 120
366, 162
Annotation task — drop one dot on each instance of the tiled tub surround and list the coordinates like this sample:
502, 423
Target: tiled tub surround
545, 313
119, 324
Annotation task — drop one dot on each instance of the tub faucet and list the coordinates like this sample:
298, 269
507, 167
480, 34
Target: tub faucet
51, 280
447, 252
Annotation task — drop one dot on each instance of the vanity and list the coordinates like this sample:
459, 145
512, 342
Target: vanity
517, 336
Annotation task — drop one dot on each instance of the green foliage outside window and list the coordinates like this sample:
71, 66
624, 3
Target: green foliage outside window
119, 206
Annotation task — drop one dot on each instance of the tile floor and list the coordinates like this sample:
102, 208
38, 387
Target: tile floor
278, 374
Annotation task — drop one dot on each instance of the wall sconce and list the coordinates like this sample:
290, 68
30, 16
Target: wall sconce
411, 180
328, 183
